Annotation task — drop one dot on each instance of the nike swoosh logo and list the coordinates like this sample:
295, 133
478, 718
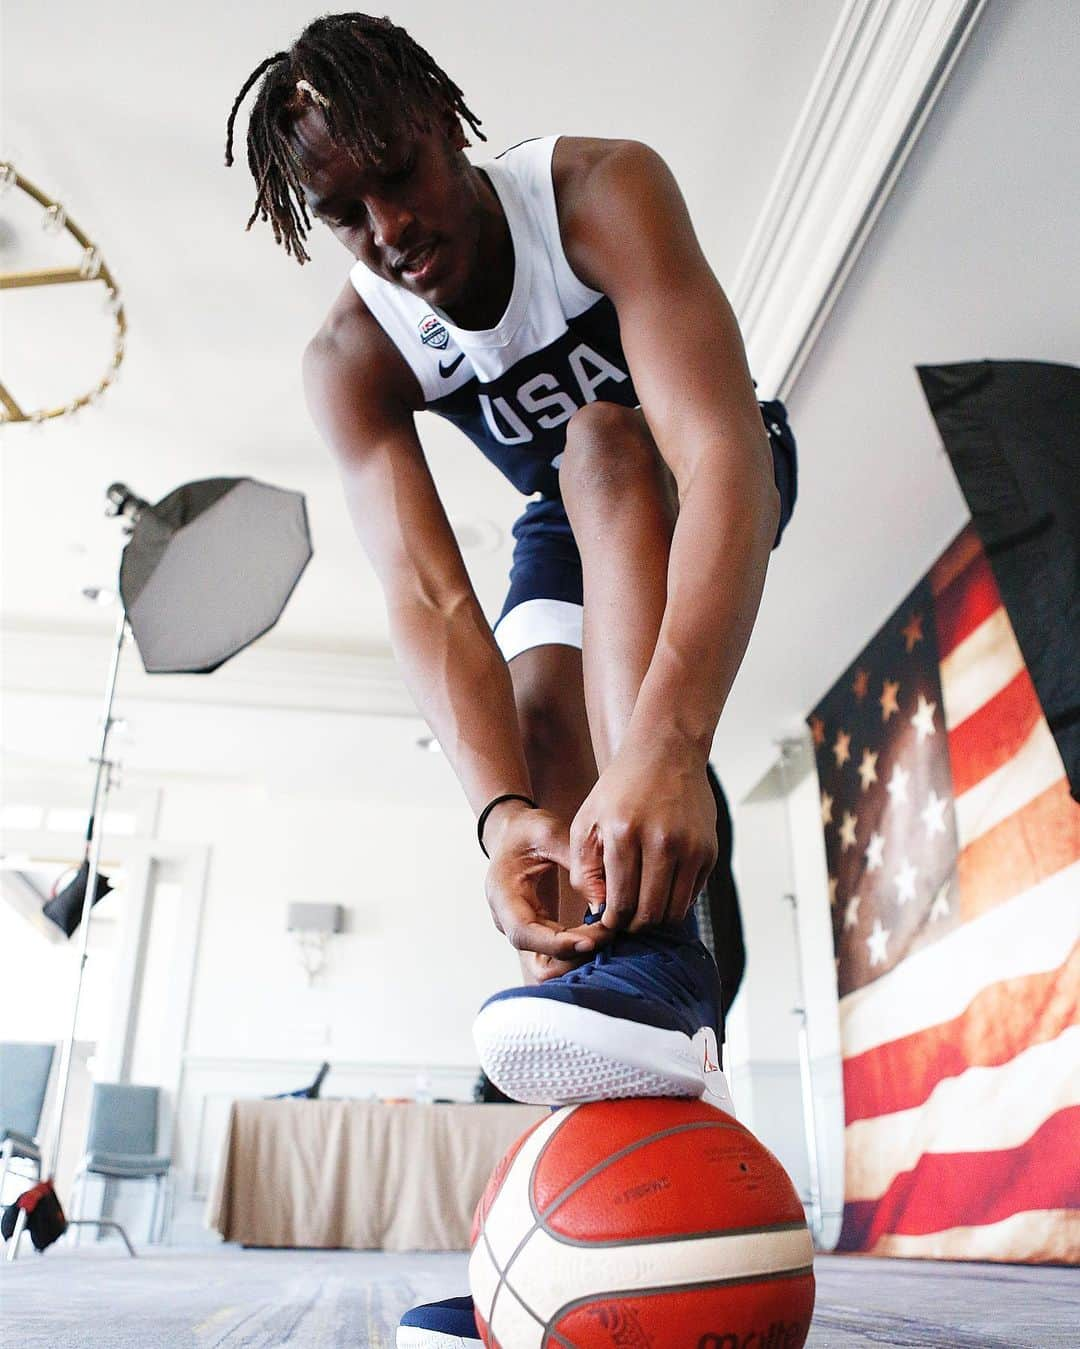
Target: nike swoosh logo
447, 368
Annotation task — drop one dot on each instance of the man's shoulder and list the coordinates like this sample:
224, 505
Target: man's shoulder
351, 347
588, 174
575, 160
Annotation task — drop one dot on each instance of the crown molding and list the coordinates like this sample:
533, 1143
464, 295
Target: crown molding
886, 63
73, 663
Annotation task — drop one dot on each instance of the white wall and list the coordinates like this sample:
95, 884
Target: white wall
974, 256
402, 982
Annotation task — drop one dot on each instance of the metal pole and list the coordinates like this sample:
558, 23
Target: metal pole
807, 1082
788, 749
102, 782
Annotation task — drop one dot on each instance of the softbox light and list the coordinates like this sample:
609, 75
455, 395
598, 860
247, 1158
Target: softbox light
209, 569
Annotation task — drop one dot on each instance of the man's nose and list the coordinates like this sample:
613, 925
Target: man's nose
389, 222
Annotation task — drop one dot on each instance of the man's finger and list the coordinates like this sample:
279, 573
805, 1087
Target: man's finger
658, 872
684, 890
622, 878
587, 868
543, 937
589, 937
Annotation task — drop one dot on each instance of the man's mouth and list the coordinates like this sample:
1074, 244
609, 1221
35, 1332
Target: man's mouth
417, 264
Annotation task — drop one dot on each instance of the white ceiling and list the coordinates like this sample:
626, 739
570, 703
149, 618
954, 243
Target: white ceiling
119, 110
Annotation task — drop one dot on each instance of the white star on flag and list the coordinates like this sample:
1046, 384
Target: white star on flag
875, 852
851, 911
897, 785
847, 831
868, 769
876, 943
923, 719
905, 883
941, 907
842, 749
933, 813
890, 690
826, 808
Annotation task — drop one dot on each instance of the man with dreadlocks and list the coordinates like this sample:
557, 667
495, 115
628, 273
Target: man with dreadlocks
554, 303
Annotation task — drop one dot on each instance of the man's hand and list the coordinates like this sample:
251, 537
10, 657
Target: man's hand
644, 841
527, 846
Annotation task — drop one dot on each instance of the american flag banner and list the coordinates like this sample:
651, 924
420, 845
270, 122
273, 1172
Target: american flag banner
953, 849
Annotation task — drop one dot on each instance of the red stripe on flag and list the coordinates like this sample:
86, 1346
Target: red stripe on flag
989, 738
967, 601
1001, 1022
954, 559
971, 1189
1013, 856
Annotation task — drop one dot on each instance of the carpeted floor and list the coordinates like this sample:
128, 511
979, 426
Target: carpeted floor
236, 1299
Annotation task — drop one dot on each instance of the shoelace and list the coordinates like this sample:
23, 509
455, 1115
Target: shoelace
659, 965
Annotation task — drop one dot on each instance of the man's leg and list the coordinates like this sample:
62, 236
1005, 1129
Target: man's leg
621, 501
643, 1017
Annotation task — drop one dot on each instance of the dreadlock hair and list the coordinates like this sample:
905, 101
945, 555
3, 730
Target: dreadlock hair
369, 79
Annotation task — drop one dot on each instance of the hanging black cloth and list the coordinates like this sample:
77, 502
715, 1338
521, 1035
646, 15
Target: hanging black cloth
1012, 433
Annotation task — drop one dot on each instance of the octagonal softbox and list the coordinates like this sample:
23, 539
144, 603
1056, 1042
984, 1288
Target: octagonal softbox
209, 569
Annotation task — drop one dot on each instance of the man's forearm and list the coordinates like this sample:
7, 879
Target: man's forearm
461, 684
719, 554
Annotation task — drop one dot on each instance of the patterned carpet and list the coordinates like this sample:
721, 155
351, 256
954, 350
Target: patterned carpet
228, 1298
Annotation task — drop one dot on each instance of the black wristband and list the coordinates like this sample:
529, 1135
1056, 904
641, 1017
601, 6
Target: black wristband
506, 796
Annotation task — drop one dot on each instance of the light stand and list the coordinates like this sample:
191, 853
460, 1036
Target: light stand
102, 782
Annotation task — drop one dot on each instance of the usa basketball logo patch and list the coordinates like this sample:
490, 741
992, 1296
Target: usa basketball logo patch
433, 332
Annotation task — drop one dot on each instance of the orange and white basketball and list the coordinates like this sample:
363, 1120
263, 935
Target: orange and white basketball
643, 1224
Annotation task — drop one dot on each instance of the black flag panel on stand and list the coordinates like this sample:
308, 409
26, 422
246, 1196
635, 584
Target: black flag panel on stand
1012, 432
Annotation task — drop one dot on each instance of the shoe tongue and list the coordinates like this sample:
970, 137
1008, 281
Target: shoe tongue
685, 931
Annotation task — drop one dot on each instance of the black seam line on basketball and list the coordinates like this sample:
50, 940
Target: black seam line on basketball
575, 1185
504, 1282
624, 1294
540, 1219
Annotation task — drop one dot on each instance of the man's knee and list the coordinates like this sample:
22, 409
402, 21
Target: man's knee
548, 735
607, 446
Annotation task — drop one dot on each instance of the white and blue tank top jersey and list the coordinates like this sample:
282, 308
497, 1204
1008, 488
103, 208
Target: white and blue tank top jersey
513, 388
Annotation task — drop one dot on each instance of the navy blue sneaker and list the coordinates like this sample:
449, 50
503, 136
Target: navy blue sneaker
641, 1018
439, 1325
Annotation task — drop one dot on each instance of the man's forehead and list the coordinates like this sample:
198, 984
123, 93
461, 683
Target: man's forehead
324, 157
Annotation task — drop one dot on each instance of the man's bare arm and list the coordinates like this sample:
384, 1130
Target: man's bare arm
630, 235
650, 819
362, 397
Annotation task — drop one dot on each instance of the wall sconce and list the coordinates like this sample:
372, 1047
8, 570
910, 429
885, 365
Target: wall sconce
312, 926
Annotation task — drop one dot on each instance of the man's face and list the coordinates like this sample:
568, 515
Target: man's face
412, 219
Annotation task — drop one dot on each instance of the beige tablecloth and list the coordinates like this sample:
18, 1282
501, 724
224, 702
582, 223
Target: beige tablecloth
358, 1174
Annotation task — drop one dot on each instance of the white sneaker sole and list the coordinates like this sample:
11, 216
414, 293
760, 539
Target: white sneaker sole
544, 1052
413, 1337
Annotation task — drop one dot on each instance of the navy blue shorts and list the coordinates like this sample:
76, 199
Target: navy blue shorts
543, 605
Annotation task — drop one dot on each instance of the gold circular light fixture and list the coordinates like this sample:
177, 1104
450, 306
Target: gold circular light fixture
91, 268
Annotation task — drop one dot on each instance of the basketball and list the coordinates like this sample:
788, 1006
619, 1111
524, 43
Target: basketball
644, 1224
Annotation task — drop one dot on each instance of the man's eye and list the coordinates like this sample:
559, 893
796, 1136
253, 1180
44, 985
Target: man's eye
346, 220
